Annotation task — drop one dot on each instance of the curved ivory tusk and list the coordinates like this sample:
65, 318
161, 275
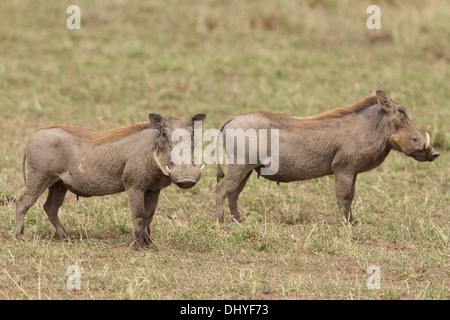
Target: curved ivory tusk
160, 166
203, 165
427, 141
198, 165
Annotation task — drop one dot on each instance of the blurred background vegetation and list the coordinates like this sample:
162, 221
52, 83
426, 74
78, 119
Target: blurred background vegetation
175, 57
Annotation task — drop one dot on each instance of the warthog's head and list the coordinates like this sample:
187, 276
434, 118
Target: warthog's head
403, 135
174, 150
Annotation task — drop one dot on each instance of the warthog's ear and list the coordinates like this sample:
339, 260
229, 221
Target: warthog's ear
197, 117
156, 121
384, 100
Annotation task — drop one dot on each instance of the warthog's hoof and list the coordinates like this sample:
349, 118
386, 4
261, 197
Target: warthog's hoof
238, 220
142, 243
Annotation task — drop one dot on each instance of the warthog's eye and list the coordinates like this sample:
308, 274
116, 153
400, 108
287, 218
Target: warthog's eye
401, 111
164, 138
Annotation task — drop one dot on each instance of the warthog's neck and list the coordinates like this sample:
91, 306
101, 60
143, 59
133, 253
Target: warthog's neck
364, 140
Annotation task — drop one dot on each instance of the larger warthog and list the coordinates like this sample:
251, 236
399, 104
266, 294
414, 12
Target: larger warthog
136, 159
343, 142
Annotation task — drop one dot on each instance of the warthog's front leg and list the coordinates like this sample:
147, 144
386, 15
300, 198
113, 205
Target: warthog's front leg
151, 200
137, 208
345, 190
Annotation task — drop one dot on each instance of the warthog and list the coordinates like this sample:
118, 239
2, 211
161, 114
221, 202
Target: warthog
135, 159
343, 142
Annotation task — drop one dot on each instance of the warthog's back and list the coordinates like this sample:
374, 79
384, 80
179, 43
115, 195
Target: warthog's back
50, 150
99, 137
304, 149
89, 162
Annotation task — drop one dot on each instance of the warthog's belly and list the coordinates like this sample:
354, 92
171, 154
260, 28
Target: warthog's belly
91, 186
296, 174
93, 191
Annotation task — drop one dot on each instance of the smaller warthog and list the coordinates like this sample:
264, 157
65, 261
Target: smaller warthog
136, 159
343, 142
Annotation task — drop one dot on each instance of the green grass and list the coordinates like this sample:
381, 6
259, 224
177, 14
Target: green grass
131, 58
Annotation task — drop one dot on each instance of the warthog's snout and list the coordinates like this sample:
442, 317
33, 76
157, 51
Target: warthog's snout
186, 183
426, 154
185, 176
433, 154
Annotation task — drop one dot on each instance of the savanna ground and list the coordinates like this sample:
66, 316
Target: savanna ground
177, 58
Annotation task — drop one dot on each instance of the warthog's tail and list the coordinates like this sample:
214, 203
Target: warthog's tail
23, 168
220, 173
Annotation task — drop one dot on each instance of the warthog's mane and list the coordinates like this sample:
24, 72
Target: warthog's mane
118, 133
281, 120
99, 137
340, 112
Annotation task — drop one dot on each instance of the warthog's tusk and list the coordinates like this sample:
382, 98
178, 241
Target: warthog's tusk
160, 166
427, 141
198, 166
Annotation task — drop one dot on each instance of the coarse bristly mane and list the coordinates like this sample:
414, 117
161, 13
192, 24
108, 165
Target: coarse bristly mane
340, 112
99, 137
118, 133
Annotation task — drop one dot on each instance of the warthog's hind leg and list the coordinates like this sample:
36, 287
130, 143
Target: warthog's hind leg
23, 203
55, 199
230, 187
234, 195
34, 188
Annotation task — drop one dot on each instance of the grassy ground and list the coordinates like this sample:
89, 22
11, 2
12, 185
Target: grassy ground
131, 58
